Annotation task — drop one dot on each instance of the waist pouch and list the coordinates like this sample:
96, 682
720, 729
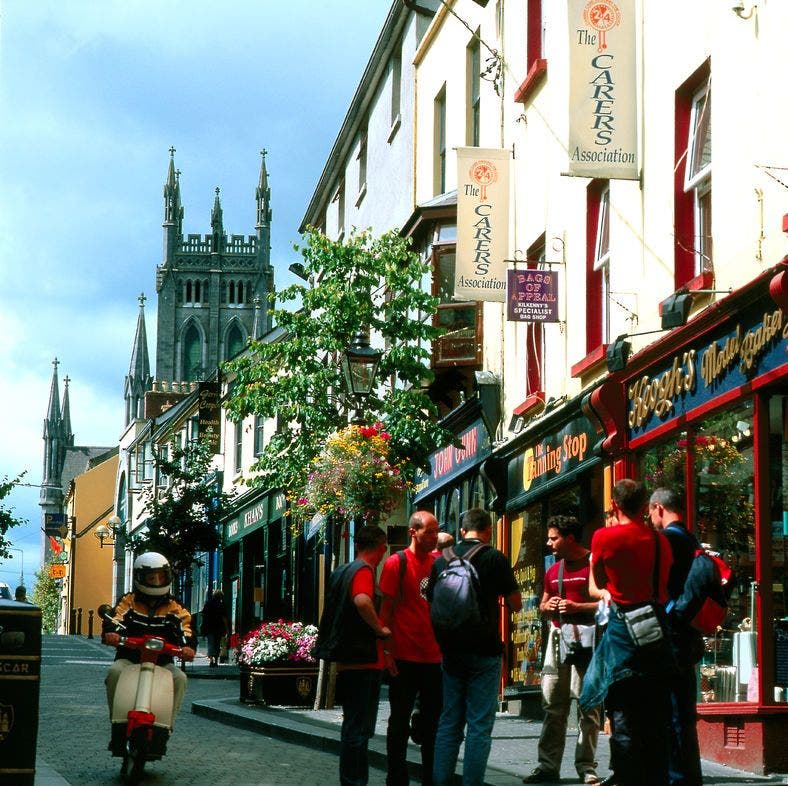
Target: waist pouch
643, 624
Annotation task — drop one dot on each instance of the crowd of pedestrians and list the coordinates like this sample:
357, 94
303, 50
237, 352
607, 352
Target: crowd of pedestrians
611, 644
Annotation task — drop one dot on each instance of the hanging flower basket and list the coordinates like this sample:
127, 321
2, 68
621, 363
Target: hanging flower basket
352, 478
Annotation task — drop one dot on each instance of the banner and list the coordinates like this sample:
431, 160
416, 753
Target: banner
482, 223
602, 89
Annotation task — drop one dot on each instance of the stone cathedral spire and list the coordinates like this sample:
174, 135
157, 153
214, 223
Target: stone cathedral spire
138, 380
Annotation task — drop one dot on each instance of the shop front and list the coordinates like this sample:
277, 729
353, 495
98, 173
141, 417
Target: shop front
550, 468
705, 410
455, 482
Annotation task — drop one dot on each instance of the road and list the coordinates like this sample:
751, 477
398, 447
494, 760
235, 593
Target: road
74, 732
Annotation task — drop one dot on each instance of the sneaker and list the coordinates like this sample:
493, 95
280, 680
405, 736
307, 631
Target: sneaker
542, 776
590, 777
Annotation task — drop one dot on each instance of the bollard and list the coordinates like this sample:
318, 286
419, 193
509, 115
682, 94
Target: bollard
72, 625
79, 621
20, 671
90, 623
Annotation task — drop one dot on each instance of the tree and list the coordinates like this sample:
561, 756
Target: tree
7, 519
46, 595
353, 285
185, 518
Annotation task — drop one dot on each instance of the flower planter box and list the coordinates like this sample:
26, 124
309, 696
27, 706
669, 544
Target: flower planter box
286, 684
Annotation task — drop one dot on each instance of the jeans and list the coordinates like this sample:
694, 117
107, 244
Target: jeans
470, 696
685, 767
358, 691
639, 712
414, 679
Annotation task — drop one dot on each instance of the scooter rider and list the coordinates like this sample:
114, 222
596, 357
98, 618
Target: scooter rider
149, 610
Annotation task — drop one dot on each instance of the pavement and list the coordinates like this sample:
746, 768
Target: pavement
514, 744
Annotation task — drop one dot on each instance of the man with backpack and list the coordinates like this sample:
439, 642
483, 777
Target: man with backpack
666, 511
568, 606
464, 590
350, 634
412, 657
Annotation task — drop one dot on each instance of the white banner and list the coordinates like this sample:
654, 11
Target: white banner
602, 89
482, 223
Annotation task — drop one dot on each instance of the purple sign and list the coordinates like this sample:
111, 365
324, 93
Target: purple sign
532, 296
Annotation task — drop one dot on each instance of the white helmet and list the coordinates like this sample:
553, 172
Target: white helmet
152, 574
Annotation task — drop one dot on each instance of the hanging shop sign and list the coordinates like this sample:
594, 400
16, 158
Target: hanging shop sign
449, 462
249, 519
482, 223
209, 413
754, 345
551, 459
602, 89
532, 296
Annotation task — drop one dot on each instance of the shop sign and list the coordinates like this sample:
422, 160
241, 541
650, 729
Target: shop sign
209, 413
449, 462
276, 506
532, 296
701, 373
555, 455
248, 520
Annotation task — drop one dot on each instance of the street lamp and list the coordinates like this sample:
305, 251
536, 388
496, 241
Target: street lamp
359, 366
104, 532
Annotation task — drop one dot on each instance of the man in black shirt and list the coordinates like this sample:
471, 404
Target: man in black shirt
666, 511
472, 665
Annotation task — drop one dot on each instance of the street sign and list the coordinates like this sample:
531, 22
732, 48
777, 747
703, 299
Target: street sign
55, 524
57, 571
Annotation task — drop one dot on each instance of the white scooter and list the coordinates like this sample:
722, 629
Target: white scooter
142, 708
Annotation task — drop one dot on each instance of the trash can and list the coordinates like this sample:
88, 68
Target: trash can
20, 673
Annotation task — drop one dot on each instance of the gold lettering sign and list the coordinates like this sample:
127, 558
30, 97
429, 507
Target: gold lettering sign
657, 395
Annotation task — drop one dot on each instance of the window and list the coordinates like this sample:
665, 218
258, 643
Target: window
534, 332
235, 341
474, 101
192, 354
396, 83
339, 198
693, 253
597, 264
534, 33
362, 163
162, 477
239, 435
439, 143
259, 442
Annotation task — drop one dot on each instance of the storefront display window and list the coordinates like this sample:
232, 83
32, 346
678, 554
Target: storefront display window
716, 457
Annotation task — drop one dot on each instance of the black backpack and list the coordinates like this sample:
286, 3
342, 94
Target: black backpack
456, 610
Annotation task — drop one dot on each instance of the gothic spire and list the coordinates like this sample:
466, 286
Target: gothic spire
173, 211
138, 380
68, 434
263, 196
257, 327
217, 224
53, 412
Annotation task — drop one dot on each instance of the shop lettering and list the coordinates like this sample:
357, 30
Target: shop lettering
603, 99
254, 515
450, 457
15, 668
232, 529
482, 236
545, 458
534, 288
719, 357
657, 395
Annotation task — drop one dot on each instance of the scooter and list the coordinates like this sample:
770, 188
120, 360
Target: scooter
142, 708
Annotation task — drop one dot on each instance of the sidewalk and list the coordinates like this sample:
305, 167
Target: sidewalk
512, 757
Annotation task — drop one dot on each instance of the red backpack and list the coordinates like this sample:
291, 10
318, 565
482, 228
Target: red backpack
717, 591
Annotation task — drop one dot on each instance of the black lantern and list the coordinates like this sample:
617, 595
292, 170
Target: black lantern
360, 365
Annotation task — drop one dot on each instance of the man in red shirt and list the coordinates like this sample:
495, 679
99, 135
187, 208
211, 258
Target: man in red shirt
632, 563
566, 599
412, 657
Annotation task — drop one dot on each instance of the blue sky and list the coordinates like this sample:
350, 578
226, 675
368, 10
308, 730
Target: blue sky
92, 95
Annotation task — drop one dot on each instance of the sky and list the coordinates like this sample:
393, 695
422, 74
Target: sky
93, 93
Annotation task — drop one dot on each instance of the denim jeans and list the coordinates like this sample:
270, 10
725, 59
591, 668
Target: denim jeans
358, 691
470, 696
685, 767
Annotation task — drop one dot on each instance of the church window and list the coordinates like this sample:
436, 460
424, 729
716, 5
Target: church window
189, 291
240, 291
196, 291
235, 341
192, 355
205, 291
231, 299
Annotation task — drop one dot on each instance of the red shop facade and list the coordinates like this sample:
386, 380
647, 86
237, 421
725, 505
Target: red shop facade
705, 409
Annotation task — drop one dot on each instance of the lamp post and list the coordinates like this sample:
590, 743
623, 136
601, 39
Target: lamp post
22, 570
359, 367
106, 532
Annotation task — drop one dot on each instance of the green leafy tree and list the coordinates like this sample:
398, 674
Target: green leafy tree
183, 519
7, 518
46, 595
363, 282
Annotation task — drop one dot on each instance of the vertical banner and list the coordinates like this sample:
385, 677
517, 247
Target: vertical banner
602, 89
482, 223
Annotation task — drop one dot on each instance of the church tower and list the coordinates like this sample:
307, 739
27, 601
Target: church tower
207, 286
57, 437
138, 380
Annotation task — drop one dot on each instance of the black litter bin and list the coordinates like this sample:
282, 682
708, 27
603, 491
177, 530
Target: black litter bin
20, 673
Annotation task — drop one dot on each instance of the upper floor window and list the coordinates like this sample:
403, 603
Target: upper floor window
439, 143
259, 442
535, 33
602, 260
396, 83
192, 354
474, 93
239, 435
597, 264
195, 292
339, 198
534, 333
697, 178
362, 163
